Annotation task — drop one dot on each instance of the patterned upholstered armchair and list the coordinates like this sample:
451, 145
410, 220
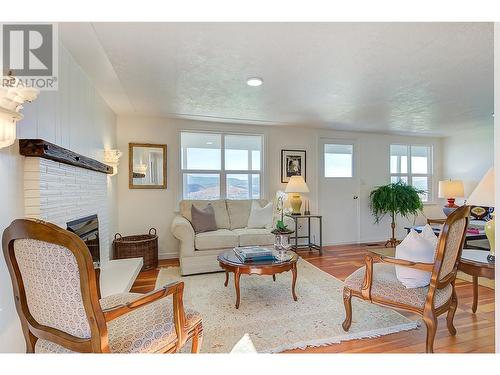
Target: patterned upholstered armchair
378, 283
57, 300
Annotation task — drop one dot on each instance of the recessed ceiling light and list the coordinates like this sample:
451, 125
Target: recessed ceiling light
210, 143
254, 81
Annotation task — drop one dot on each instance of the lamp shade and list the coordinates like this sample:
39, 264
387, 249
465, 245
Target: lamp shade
484, 193
451, 189
296, 185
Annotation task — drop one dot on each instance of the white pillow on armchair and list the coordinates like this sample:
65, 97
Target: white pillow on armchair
416, 248
429, 235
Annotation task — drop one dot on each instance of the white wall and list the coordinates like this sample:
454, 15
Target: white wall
467, 155
75, 117
141, 209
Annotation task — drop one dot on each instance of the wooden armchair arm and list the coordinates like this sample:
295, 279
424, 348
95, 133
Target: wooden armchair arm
176, 289
406, 263
366, 289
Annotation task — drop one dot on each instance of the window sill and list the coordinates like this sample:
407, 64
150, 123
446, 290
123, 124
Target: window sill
431, 203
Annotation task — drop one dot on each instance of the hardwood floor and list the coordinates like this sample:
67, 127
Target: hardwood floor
475, 332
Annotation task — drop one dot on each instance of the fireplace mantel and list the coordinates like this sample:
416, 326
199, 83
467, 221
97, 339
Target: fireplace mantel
46, 150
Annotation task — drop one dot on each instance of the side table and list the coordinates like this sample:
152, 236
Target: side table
475, 264
309, 245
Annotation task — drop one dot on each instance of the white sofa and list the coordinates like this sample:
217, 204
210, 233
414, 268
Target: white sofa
198, 252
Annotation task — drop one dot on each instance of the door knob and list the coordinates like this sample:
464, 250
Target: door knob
355, 197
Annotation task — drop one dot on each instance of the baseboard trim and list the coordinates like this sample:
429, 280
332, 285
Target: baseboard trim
361, 242
168, 255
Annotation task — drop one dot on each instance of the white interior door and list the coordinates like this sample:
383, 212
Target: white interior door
339, 191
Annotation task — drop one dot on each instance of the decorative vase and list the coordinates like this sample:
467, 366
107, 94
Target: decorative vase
281, 242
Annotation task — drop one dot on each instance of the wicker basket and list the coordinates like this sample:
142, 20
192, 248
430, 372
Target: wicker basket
143, 246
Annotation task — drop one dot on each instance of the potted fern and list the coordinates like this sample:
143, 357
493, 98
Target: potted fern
395, 199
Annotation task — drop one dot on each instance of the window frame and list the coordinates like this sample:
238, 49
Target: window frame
341, 142
409, 174
222, 172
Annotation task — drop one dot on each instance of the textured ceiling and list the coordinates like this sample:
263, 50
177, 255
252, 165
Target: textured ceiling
427, 78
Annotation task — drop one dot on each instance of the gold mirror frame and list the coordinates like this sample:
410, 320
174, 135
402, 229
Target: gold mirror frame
131, 166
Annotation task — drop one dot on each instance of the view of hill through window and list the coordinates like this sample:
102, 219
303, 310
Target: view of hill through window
221, 166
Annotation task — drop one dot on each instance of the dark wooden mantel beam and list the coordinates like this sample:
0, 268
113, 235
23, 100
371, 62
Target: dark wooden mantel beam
46, 150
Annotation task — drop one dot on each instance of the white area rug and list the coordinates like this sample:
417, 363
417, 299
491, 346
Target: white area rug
270, 316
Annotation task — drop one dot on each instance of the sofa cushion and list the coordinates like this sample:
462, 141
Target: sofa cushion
217, 239
251, 236
203, 219
260, 217
220, 209
239, 211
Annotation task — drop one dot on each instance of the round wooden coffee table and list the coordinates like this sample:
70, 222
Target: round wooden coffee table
231, 263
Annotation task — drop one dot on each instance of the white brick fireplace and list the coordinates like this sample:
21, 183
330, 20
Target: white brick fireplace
59, 193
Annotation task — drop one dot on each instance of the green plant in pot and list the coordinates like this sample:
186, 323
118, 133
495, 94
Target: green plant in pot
395, 199
281, 228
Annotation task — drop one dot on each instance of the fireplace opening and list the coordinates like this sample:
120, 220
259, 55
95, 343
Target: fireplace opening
87, 228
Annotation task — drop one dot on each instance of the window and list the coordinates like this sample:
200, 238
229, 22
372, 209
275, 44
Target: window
218, 166
338, 160
412, 164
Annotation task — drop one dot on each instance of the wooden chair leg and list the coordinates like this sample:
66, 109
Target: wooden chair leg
197, 339
348, 309
431, 324
451, 313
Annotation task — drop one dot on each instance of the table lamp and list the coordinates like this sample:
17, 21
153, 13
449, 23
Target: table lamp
295, 186
484, 195
450, 189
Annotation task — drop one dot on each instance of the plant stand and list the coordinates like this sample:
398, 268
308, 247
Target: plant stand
393, 242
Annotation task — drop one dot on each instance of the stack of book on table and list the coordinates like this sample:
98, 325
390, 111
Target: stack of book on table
253, 254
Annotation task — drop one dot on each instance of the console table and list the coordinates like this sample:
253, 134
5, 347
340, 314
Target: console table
309, 245
475, 264
468, 235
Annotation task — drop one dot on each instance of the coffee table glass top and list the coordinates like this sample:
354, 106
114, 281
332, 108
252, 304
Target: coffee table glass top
279, 258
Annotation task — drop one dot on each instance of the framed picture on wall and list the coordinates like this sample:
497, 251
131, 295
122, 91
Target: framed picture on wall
293, 163
147, 166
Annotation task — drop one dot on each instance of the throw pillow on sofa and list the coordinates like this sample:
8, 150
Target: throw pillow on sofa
415, 248
203, 220
260, 217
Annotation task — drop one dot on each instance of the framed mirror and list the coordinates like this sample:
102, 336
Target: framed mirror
147, 166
